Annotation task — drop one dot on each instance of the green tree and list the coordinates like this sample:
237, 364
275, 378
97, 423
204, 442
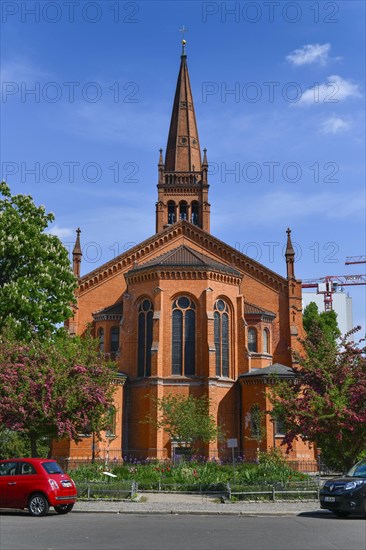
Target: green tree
321, 324
187, 420
327, 403
14, 443
36, 282
53, 388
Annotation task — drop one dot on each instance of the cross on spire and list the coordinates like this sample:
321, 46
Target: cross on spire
183, 30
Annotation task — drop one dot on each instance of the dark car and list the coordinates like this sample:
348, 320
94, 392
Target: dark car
346, 495
36, 484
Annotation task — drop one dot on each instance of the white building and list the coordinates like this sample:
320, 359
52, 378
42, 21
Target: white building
342, 305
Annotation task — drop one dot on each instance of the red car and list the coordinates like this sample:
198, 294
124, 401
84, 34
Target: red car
36, 484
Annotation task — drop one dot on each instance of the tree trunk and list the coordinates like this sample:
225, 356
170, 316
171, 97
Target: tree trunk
33, 443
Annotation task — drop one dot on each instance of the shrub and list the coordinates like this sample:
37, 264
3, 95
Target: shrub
271, 467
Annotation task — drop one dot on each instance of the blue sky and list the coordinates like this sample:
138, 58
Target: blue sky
279, 96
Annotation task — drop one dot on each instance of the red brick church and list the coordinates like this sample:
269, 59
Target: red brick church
183, 312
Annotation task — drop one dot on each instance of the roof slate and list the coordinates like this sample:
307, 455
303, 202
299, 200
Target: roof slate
282, 371
184, 256
115, 309
252, 309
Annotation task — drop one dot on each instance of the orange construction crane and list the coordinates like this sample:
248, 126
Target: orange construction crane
355, 260
329, 284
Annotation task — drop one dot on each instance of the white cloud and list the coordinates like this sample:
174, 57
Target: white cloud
21, 70
310, 53
336, 89
60, 232
335, 125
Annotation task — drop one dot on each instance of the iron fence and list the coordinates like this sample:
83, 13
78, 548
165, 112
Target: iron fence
307, 490
106, 490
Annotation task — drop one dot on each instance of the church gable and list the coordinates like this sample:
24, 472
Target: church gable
161, 243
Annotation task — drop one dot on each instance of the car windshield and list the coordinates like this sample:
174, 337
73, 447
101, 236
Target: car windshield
358, 470
52, 468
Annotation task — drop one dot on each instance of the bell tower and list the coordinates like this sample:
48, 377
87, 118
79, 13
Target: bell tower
182, 184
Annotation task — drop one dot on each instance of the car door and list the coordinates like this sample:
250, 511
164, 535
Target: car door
27, 481
9, 484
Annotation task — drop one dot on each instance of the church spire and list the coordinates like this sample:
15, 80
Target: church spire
182, 185
183, 150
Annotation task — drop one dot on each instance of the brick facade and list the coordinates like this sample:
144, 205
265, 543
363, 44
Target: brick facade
182, 259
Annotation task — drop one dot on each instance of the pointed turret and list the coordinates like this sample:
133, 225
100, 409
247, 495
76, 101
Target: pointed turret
161, 166
294, 297
204, 166
290, 256
183, 150
77, 254
161, 161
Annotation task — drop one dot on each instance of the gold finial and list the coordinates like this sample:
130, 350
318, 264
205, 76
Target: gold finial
184, 41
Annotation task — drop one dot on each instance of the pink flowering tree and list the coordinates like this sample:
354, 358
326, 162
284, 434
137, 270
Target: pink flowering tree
327, 404
53, 388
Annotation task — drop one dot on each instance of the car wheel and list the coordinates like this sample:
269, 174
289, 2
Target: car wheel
38, 505
340, 514
64, 508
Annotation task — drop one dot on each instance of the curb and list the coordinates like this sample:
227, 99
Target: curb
199, 513
187, 513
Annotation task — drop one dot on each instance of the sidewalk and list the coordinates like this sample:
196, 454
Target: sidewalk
170, 503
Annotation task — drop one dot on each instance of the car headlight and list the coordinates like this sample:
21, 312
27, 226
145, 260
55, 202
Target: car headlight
353, 485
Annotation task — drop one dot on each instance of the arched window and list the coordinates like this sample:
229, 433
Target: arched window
144, 340
255, 422
101, 339
114, 339
110, 429
266, 340
221, 335
183, 210
252, 339
171, 212
194, 213
279, 426
183, 336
